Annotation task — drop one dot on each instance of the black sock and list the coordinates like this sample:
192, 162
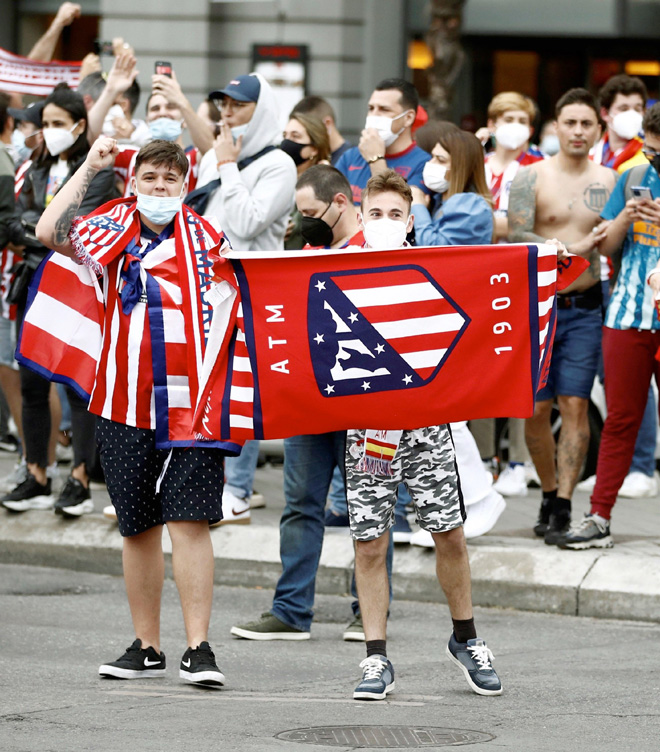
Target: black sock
376, 647
549, 497
464, 629
562, 505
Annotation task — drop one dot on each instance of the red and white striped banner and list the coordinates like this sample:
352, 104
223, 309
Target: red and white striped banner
24, 76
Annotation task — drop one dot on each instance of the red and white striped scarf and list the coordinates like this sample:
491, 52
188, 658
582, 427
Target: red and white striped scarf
69, 294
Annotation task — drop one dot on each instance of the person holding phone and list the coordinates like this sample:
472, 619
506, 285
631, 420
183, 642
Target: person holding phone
631, 336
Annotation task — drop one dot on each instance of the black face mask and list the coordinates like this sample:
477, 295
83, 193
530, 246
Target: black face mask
316, 231
294, 151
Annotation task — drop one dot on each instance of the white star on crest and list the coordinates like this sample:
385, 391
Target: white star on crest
407, 379
320, 285
329, 389
318, 339
380, 349
366, 385
353, 317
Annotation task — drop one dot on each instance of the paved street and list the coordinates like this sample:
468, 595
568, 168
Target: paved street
570, 683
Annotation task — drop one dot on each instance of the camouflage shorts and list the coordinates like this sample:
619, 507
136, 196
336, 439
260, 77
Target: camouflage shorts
426, 462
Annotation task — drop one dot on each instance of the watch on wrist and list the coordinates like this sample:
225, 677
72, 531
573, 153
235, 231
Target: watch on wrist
375, 159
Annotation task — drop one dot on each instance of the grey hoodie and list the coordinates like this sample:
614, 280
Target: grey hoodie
253, 205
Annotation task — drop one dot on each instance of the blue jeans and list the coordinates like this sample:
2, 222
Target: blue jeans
239, 471
337, 497
309, 462
643, 460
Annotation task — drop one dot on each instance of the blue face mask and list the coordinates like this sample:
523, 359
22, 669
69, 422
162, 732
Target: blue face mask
160, 210
239, 130
165, 128
20, 151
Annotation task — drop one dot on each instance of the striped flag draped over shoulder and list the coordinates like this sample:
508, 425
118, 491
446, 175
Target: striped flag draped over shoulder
319, 341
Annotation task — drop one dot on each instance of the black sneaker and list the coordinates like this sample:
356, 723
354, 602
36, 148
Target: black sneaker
29, 494
198, 666
74, 499
557, 527
541, 526
475, 661
591, 532
136, 663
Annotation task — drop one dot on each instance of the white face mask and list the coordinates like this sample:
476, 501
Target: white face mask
160, 210
59, 139
383, 125
384, 234
512, 135
627, 124
114, 112
435, 177
20, 151
549, 144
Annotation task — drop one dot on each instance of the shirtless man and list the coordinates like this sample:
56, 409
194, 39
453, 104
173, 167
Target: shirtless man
562, 197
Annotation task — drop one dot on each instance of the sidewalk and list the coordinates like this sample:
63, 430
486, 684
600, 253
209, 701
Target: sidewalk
510, 567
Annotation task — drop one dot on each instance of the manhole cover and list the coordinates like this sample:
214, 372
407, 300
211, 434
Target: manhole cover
384, 737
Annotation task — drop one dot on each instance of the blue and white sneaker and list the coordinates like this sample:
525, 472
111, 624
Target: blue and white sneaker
474, 659
377, 679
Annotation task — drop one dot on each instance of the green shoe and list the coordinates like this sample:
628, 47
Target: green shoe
354, 632
268, 627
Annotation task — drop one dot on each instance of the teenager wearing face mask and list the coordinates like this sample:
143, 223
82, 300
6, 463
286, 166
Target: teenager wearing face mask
306, 142
510, 118
622, 102
64, 128
386, 142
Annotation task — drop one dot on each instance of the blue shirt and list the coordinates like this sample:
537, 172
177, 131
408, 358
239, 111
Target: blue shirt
632, 305
408, 163
464, 219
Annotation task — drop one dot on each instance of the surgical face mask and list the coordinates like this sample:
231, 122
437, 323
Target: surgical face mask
549, 144
239, 130
512, 135
435, 177
114, 112
160, 210
20, 151
316, 231
627, 124
383, 125
165, 128
59, 139
294, 150
385, 233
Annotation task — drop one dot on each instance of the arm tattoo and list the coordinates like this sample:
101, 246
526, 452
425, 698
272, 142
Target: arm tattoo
522, 207
65, 220
594, 265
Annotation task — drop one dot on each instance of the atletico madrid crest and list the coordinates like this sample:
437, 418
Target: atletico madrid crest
380, 330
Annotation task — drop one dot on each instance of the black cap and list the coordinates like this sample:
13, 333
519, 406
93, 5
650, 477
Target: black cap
32, 113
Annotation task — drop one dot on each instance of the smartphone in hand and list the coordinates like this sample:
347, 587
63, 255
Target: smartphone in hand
641, 191
163, 68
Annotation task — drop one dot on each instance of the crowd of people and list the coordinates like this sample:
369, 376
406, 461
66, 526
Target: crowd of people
114, 196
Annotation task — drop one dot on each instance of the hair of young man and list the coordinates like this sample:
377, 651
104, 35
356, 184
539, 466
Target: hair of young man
313, 105
317, 134
92, 86
409, 98
432, 133
132, 95
73, 103
5, 101
577, 96
214, 113
160, 152
506, 101
621, 84
388, 181
326, 182
651, 123
466, 173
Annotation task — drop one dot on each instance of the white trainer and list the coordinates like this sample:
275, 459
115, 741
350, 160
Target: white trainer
235, 511
482, 516
639, 486
587, 485
512, 481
